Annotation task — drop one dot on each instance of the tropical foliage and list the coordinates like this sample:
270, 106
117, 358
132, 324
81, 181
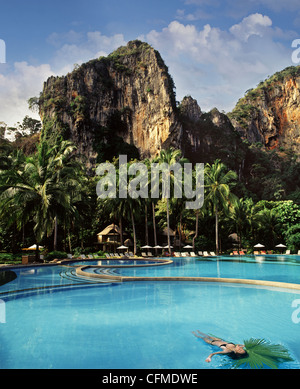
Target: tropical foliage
40, 189
262, 354
48, 197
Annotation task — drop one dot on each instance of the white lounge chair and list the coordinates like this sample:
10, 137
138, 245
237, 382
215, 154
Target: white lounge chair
144, 255
82, 256
149, 254
288, 252
212, 254
69, 256
193, 254
200, 253
90, 256
177, 254
298, 252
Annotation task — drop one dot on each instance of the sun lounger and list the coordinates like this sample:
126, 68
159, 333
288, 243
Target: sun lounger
241, 253
177, 254
288, 252
184, 254
235, 253
90, 256
200, 253
144, 255
205, 254
262, 253
212, 254
82, 256
69, 256
298, 252
193, 254
149, 254
256, 253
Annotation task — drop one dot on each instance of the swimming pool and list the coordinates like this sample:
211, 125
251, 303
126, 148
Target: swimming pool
54, 319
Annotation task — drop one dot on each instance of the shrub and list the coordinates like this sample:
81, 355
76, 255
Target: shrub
56, 255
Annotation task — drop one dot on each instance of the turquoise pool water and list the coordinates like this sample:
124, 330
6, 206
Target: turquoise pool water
53, 319
268, 268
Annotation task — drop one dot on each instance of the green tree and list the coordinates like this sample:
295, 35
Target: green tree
293, 237
268, 226
238, 213
218, 183
170, 157
39, 190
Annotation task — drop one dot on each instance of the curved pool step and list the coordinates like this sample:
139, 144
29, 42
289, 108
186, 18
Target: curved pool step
72, 276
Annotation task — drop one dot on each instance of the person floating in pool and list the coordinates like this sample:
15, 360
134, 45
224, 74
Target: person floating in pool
233, 350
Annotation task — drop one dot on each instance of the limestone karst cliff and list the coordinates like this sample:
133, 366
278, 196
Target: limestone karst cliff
128, 96
125, 103
270, 113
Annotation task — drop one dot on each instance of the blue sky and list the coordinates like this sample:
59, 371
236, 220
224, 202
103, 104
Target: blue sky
215, 49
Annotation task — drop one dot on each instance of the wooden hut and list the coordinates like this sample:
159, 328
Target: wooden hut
110, 238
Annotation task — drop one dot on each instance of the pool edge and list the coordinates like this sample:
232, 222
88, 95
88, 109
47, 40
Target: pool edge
284, 285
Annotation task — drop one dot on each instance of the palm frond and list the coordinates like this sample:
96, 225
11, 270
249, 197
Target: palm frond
262, 354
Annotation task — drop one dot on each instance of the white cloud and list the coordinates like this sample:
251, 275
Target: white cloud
79, 48
17, 86
214, 65
254, 24
229, 61
23, 81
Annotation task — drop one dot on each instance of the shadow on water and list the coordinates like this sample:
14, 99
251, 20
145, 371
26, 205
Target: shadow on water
7, 276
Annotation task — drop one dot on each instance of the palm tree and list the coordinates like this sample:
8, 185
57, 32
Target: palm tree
119, 208
268, 225
170, 157
40, 189
238, 213
218, 181
178, 211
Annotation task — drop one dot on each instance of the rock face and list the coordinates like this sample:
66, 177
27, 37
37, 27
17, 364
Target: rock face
125, 104
270, 114
128, 95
